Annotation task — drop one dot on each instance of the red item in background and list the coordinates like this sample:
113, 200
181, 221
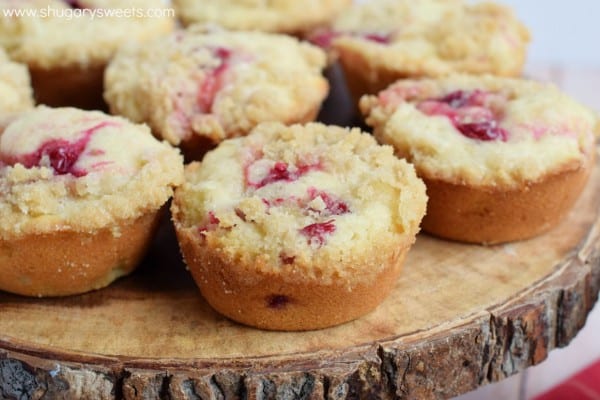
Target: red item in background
583, 386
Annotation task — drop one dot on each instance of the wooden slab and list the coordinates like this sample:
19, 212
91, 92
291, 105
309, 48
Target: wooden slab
459, 317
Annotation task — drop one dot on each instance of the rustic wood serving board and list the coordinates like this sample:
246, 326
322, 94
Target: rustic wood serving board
460, 316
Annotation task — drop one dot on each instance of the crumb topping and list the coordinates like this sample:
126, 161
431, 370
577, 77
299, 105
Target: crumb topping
82, 170
483, 130
284, 16
64, 33
294, 196
216, 84
433, 37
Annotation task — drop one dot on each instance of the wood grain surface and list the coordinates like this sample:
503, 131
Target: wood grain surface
460, 316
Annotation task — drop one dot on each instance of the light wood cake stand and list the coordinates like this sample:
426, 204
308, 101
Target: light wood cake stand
459, 317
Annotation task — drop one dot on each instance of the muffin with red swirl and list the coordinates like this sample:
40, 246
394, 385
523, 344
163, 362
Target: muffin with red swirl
277, 16
67, 43
307, 226
80, 196
381, 41
196, 88
503, 159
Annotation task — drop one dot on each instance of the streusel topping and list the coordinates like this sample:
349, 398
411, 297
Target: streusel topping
81, 170
63, 33
432, 37
286, 16
483, 130
312, 198
216, 84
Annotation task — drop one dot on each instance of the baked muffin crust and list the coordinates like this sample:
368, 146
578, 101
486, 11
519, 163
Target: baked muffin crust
543, 131
283, 16
306, 227
66, 169
62, 38
381, 41
503, 159
216, 84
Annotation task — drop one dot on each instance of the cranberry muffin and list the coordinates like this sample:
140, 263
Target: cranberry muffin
196, 88
278, 16
381, 41
307, 227
67, 43
80, 195
503, 159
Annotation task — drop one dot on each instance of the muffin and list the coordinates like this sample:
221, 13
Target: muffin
307, 227
15, 87
67, 44
381, 41
196, 88
80, 196
503, 159
279, 16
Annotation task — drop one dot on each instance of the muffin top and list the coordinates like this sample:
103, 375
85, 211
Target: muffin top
305, 201
483, 131
431, 37
81, 170
283, 16
64, 33
216, 84
15, 87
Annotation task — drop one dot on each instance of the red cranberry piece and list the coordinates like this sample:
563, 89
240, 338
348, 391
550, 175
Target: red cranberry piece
62, 154
213, 80
325, 38
277, 301
457, 99
317, 232
96, 152
273, 203
378, 37
486, 131
241, 215
280, 172
276, 202
333, 205
210, 225
287, 260
212, 219
463, 98
223, 54
461, 106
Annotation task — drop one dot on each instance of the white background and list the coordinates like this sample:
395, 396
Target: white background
563, 32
